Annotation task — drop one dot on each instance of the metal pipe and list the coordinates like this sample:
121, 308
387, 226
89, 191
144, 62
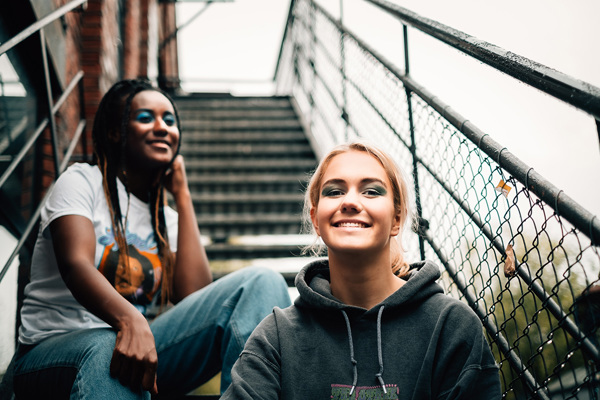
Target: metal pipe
19, 156
53, 133
344, 114
288, 27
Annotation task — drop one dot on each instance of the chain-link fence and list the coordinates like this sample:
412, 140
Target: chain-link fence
519, 251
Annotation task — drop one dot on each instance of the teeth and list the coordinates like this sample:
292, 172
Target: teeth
350, 225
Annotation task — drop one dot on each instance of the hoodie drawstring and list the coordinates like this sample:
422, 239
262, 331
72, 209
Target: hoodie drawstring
379, 351
352, 360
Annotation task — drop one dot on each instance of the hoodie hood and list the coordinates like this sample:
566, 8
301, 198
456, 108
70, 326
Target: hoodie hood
313, 284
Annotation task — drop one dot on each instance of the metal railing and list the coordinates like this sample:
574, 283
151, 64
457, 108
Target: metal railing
519, 251
60, 156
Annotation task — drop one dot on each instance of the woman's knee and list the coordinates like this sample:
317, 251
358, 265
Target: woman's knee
263, 277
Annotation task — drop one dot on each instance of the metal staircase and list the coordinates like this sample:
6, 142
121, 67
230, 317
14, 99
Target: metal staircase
248, 161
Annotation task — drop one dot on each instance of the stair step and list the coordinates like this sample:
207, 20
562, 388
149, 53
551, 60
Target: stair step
246, 178
239, 124
247, 198
246, 219
223, 251
245, 150
196, 103
214, 165
198, 114
195, 137
244, 203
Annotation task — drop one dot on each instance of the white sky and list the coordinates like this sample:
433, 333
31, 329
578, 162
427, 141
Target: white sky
240, 41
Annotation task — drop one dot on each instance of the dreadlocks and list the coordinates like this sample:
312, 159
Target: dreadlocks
109, 134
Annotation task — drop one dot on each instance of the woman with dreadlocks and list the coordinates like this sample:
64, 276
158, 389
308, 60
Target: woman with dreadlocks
110, 253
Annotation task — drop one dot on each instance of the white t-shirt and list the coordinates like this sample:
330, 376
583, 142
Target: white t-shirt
49, 307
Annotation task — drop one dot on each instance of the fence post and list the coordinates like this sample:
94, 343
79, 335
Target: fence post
422, 224
312, 61
344, 113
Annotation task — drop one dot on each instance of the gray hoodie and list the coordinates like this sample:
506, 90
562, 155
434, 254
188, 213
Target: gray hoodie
417, 344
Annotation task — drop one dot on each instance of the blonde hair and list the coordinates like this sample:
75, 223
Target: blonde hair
400, 195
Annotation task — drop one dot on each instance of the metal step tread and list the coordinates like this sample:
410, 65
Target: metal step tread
246, 178
278, 164
186, 103
248, 219
243, 136
240, 148
197, 114
247, 198
289, 123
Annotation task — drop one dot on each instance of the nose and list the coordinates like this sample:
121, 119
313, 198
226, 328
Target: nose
160, 127
351, 202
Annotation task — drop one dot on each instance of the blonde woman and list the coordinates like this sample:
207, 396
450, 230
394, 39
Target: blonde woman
367, 325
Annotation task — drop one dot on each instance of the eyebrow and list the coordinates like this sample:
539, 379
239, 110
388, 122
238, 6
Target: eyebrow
362, 182
137, 110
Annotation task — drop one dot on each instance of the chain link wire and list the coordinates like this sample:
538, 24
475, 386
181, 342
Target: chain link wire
530, 275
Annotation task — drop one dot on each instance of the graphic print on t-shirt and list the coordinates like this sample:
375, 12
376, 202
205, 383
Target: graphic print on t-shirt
140, 283
342, 392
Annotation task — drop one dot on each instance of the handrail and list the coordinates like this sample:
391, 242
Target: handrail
39, 24
555, 83
288, 24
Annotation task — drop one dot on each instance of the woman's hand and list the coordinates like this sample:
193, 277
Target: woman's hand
176, 179
134, 361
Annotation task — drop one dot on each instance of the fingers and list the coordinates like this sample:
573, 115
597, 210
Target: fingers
175, 178
133, 369
134, 374
149, 380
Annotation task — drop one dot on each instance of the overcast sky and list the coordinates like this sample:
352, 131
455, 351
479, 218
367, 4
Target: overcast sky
240, 41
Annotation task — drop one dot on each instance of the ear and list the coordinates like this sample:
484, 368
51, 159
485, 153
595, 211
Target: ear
313, 218
395, 226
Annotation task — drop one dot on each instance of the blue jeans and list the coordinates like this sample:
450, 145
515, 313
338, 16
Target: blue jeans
197, 338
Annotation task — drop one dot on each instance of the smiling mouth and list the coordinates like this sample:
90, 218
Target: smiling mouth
159, 142
350, 225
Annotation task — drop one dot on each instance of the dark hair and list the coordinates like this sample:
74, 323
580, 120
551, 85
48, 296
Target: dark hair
109, 134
